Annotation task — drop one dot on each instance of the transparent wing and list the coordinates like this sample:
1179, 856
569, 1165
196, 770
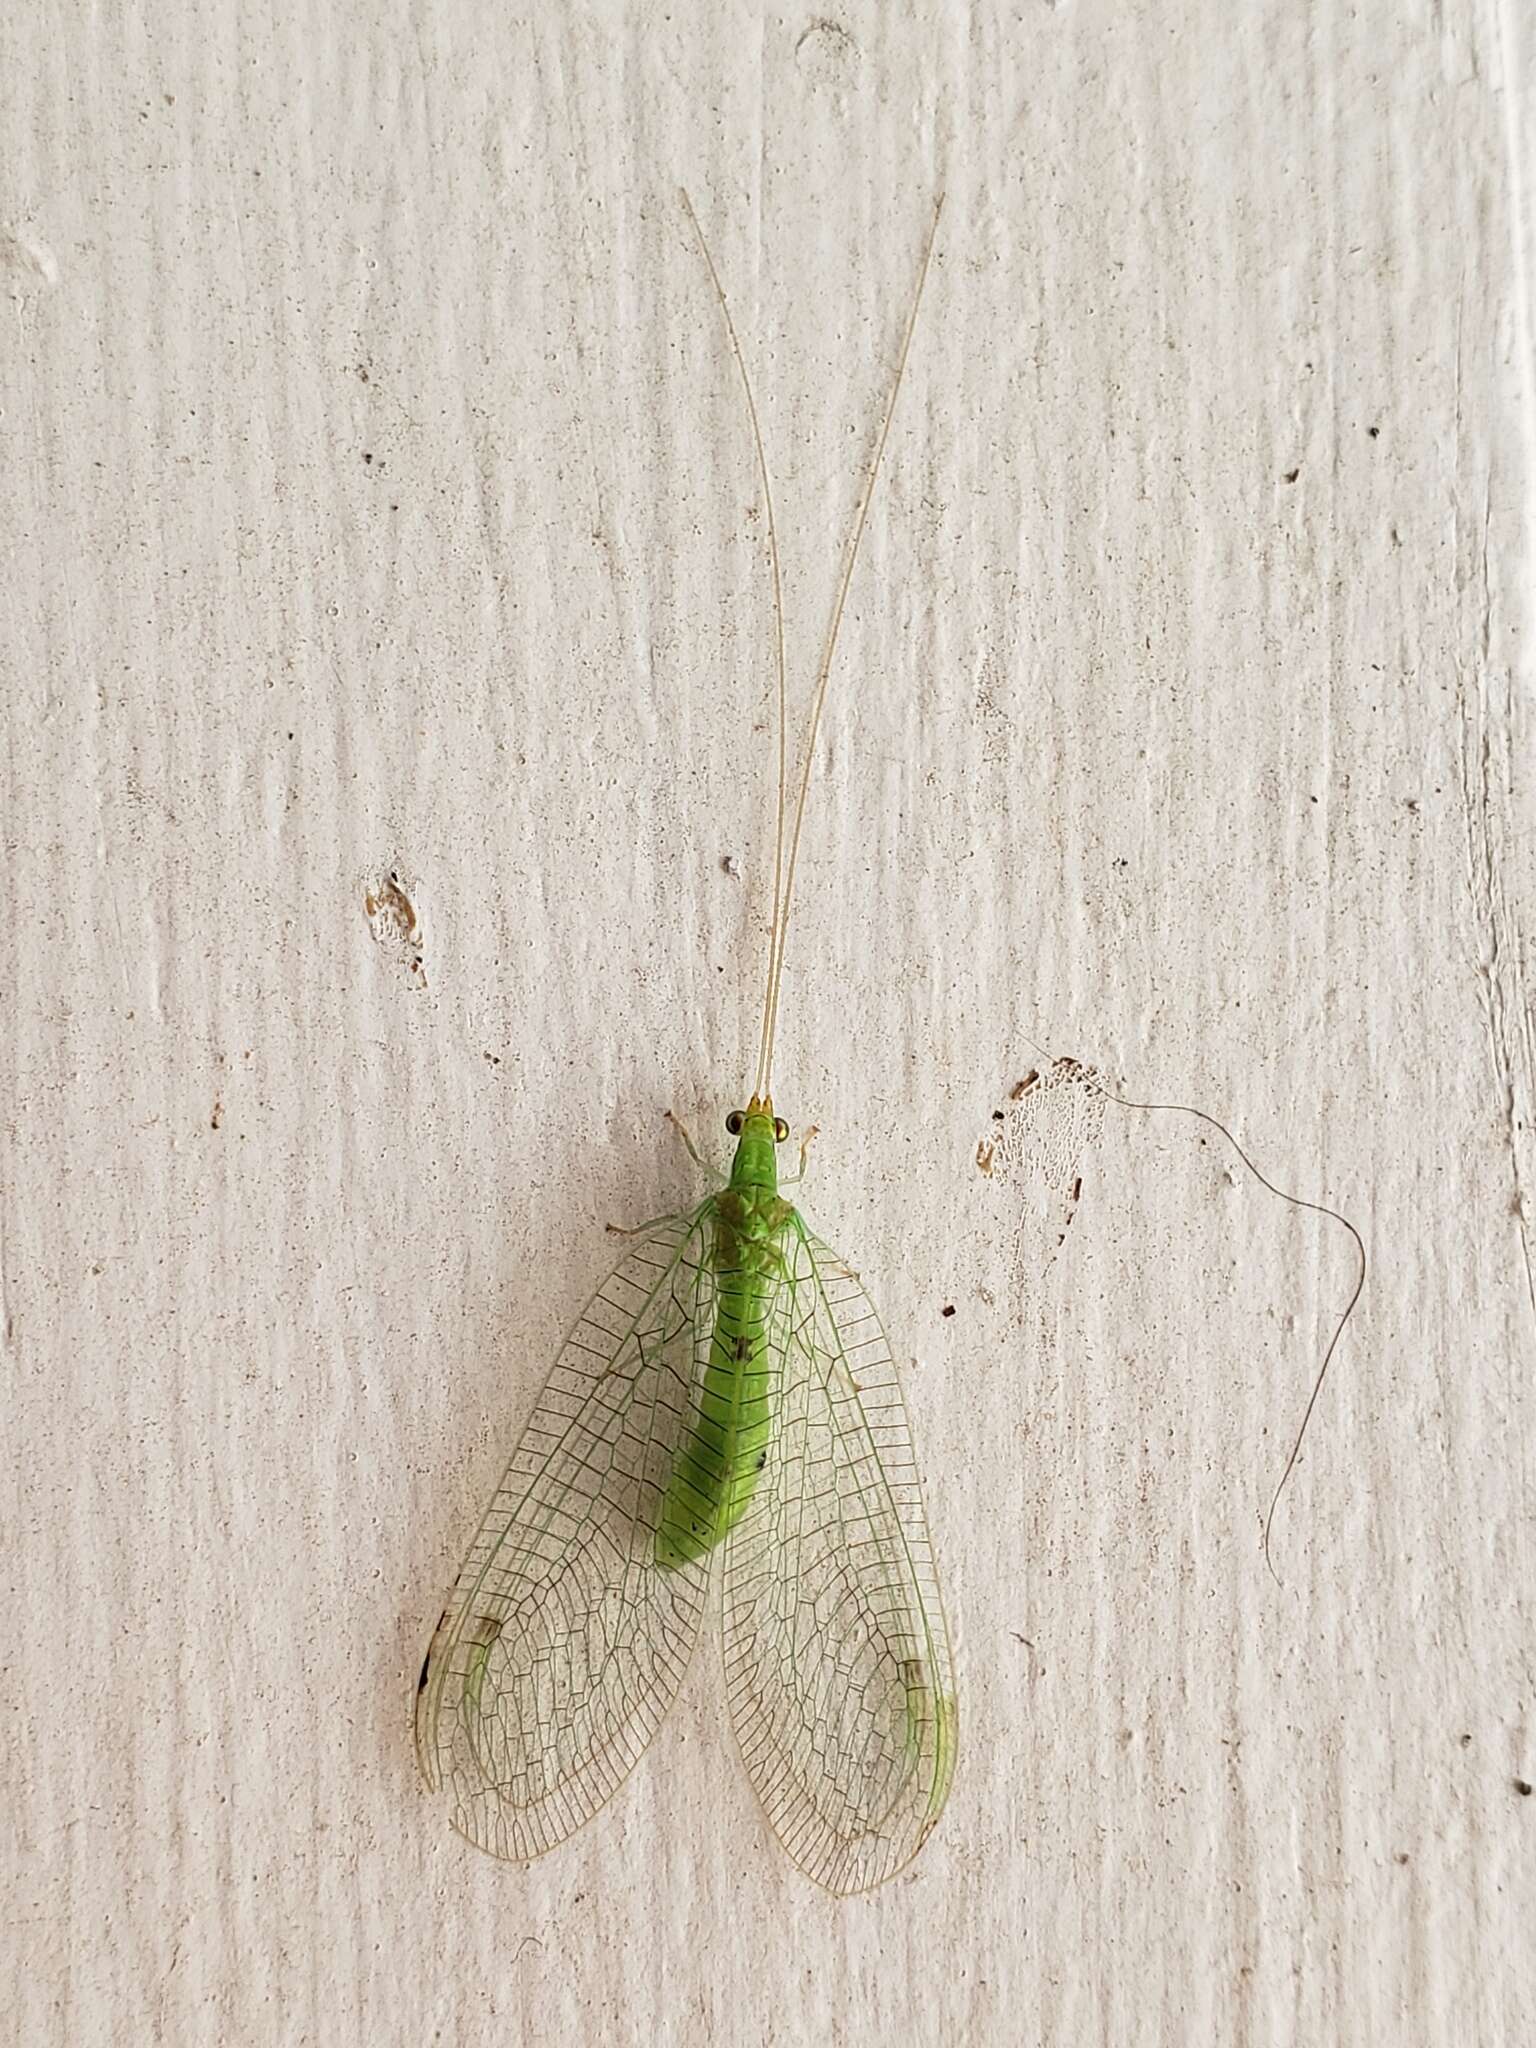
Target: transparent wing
836, 1659
563, 1645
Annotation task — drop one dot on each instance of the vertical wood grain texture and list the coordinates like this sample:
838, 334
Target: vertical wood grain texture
378, 503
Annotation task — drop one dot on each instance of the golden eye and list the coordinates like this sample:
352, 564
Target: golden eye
734, 1122
780, 1129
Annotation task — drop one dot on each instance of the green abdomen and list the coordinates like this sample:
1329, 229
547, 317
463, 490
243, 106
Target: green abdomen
718, 1462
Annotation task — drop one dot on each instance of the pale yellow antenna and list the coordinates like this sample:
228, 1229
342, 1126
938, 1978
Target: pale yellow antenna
778, 619
824, 672
784, 873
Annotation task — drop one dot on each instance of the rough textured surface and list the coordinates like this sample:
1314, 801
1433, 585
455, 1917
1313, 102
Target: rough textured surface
386, 688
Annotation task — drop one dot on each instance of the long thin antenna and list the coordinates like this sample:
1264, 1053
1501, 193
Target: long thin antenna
778, 616
1296, 1202
824, 672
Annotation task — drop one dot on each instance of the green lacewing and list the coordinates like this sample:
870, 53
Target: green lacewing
726, 1404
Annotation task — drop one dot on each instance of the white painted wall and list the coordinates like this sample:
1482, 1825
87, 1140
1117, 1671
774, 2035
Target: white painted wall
376, 496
